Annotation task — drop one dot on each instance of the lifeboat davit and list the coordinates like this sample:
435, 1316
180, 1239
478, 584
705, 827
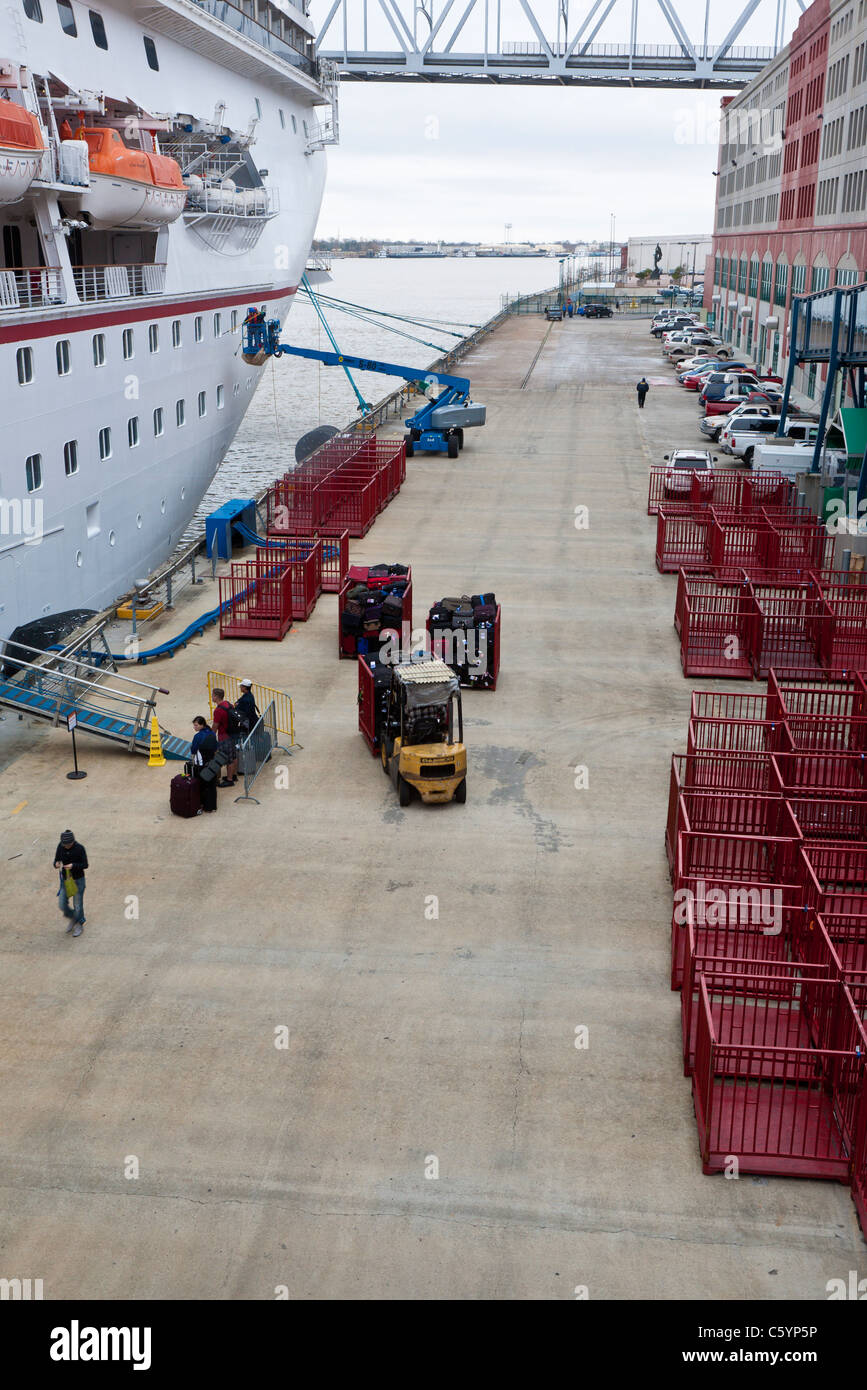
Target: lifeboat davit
129, 188
21, 150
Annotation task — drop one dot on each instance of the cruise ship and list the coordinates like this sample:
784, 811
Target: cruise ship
162, 164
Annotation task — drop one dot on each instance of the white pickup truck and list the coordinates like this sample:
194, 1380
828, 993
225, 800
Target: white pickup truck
793, 456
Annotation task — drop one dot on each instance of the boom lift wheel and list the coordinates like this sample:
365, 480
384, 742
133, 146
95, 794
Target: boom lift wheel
454, 446
410, 447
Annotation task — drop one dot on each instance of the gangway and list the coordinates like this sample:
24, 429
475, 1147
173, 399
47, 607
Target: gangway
121, 712
658, 43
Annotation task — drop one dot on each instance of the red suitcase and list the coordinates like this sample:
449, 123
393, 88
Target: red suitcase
185, 796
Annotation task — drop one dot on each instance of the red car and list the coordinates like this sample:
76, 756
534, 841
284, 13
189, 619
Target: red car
729, 403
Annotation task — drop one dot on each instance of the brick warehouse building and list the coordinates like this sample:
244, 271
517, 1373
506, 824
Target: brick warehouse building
792, 185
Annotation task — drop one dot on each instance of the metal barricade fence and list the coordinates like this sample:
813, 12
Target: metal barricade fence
255, 750
264, 695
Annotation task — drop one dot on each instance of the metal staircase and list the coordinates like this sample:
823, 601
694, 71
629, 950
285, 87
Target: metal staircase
53, 688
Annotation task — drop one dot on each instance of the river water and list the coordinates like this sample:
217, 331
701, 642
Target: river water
294, 395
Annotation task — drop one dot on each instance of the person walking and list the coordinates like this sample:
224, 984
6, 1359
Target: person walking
642, 388
203, 748
570, 308
227, 723
71, 859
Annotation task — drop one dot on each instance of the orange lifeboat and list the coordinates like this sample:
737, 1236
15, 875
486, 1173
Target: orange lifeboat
128, 187
21, 150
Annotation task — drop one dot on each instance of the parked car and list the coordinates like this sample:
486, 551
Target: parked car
726, 404
681, 351
693, 379
670, 325
741, 434
681, 465
554, 313
713, 425
793, 456
597, 311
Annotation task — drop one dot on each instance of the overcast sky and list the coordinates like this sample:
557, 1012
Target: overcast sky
429, 162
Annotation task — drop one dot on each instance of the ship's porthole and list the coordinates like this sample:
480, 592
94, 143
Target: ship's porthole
138, 520
163, 505
112, 538
183, 493
79, 558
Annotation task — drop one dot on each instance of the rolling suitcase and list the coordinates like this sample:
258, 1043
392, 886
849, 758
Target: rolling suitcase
184, 796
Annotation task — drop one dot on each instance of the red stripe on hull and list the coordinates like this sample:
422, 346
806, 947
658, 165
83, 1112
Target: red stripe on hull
145, 310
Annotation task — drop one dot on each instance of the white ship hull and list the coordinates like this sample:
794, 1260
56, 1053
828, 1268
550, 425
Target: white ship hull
84, 536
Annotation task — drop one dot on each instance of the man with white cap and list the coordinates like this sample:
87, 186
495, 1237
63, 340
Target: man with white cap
71, 859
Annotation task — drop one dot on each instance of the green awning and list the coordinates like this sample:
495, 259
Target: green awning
854, 422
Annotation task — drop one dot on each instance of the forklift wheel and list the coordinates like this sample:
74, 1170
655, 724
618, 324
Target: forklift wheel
404, 791
383, 757
454, 446
410, 447
461, 792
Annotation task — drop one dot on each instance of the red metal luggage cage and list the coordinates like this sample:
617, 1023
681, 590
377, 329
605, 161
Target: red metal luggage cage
841, 819
304, 558
815, 692
335, 559
779, 1076
682, 541
690, 583
748, 858
256, 601
740, 543
799, 545
843, 639
819, 733
724, 704
786, 626
367, 722
347, 643
831, 774
835, 880
720, 772
440, 645
715, 633
708, 904
738, 736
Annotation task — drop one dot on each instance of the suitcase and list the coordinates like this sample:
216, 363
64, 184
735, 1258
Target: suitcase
350, 624
485, 612
392, 611
398, 569
184, 796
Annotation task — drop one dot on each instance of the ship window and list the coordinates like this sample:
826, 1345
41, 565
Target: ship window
258, 107
99, 349
203, 404
128, 343
306, 131
33, 470
105, 442
24, 363
197, 328
70, 457
67, 18
217, 323
159, 427
176, 332
151, 53
62, 352
294, 126
234, 319
132, 431
98, 29
282, 118
221, 397
180, 413
154, 337
33, 10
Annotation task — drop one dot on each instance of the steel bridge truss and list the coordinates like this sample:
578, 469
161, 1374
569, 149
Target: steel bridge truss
510, 41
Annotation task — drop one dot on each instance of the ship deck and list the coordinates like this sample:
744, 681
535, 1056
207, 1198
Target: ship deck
410, 1038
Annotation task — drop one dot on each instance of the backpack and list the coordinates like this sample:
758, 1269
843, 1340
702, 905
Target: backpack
233, 720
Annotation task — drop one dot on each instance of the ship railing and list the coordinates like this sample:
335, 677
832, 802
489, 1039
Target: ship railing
95, 282
31, 287
250, 29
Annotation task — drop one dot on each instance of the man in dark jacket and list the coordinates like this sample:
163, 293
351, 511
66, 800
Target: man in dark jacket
246, 706
71, 858
642, 388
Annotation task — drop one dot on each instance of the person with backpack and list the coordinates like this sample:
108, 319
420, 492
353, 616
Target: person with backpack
71, 859
227, 725
246, 707
203, 748
642, 389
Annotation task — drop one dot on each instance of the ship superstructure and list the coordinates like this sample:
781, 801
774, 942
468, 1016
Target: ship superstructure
161, 167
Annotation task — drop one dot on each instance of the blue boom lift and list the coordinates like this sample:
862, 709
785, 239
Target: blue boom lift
439, 425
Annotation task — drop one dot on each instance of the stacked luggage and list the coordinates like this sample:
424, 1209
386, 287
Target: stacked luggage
373, 600
374, 683
465, 633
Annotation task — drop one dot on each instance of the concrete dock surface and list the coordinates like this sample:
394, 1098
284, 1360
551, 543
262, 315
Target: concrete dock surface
431, 1130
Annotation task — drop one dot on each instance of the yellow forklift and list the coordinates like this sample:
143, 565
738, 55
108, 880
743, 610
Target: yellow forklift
422, 742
